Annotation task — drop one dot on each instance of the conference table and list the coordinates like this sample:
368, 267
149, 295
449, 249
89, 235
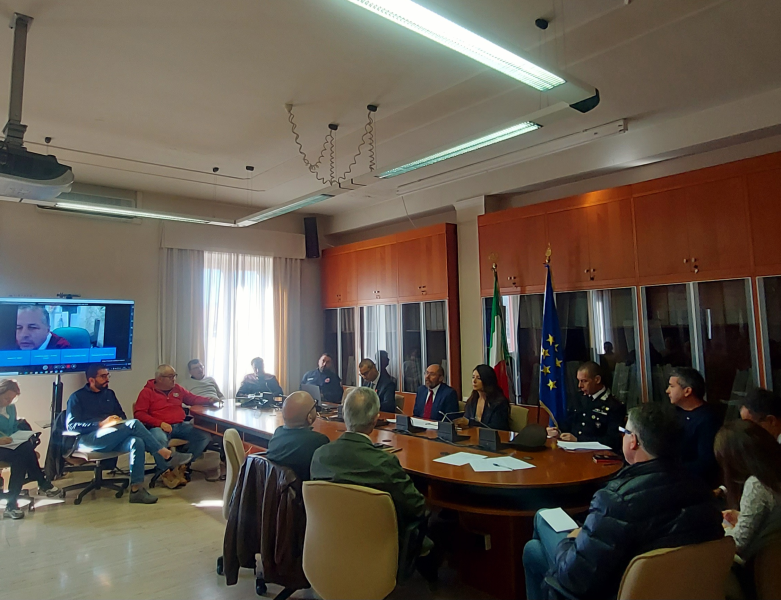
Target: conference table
494, 510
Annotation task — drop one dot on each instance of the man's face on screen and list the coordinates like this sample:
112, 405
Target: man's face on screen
31, 329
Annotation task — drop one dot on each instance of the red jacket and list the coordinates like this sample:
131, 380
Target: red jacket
154, 407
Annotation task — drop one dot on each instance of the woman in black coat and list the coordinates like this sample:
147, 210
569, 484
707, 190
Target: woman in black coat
487, 406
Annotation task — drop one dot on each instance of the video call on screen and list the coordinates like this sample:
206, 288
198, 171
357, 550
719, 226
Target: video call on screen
51, 337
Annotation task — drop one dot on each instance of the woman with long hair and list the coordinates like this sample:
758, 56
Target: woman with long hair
23, 460
487, 406
750, 459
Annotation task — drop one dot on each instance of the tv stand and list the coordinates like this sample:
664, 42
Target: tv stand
56, 399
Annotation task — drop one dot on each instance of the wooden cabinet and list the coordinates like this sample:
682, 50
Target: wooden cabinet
423, 267
611, 241
764, 202
338, 278
662, 238
568, 236
377, 273
519, 246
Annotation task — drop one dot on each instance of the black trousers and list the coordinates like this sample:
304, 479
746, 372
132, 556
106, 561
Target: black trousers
24, 465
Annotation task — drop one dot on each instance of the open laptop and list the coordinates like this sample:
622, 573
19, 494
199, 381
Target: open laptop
314, 391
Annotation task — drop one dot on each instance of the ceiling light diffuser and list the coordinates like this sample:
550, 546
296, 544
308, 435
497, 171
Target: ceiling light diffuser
435, 27
277, 211
126, 212
492, 138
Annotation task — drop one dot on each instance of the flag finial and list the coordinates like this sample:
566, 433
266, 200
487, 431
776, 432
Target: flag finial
493, 257
548, 253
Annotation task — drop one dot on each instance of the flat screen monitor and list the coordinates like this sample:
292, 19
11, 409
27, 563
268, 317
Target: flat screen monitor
55, 335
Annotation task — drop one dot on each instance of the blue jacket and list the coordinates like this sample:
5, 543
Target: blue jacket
86, 409
386, 390
8, 426
445, 401
329, 383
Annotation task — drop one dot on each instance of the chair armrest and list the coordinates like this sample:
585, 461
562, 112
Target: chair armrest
553, 584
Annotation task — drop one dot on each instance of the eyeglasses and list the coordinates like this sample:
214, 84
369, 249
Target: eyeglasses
625, 431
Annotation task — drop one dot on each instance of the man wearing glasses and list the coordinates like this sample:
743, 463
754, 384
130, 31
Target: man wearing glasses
293, 444
159, 407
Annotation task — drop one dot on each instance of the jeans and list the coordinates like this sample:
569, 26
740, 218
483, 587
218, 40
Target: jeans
130, 436
197, 440
539, 555
24, 465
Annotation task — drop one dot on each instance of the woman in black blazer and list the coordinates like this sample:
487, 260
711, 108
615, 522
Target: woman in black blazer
487, 406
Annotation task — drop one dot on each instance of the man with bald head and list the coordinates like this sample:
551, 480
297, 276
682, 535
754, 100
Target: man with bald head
435, 399
293, 444
159, 407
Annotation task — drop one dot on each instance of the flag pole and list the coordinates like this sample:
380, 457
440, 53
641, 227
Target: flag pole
541, 404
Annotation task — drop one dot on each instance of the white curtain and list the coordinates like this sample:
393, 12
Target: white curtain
287, 322
239, 316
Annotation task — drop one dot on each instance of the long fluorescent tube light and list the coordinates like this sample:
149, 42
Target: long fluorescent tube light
126, 212
435, 27
276, 211
487, 140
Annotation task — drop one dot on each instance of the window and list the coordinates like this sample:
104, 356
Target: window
424, 341
380, 338
770, 309
239, 316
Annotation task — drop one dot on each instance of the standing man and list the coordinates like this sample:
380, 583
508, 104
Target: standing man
326, 379
199, 384
435, 398
597, 414
33, 330
700, 423
380, 383
159, 407
763, 408
95, 413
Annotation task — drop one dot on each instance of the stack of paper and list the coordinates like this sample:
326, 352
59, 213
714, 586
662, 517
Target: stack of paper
18, 438
459, 459
484, 464
582, 446
425, 424
558, 519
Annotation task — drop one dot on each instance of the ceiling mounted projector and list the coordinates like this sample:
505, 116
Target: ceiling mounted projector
23, 174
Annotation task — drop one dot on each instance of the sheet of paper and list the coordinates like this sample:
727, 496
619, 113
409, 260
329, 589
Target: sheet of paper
391, 420
511, 463
488, 466
582, 446
459, 459
425, 424
18, 438
558, 519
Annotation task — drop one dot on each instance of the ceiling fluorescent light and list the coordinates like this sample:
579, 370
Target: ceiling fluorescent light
126, 212
487, 140
435, 27
276, 211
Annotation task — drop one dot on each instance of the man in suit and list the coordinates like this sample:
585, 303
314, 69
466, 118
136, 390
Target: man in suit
326, 379
596, 415
353, 459
380, 383
293, 444
435, 398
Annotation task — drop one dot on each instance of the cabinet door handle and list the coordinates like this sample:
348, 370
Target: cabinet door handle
685, 260
586, 271
694, 259
593, 270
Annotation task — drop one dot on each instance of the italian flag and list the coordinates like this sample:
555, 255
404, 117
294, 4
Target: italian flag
497, 352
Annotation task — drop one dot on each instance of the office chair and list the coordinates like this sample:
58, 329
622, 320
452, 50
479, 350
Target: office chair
367, 564
519, 416
77, 337
234, 459
694, 572
767, 575
399, 404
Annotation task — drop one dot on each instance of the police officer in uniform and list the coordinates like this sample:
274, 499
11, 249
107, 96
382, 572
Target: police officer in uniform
596, 415
326, 379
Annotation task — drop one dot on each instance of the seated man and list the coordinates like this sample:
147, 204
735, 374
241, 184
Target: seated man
326, 379
199, 384
353, 459
159, 407
596, 415
763, 407
651, 503
380, 383
700, 423
95, 413
293, 444
436, 398
259, 382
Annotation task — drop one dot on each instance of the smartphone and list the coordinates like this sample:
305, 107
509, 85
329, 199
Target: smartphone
607, 457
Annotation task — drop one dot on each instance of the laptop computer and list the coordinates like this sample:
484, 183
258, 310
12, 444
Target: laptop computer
314, 391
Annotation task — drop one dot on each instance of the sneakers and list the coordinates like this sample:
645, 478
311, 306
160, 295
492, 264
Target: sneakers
13, 513
179, 458
141, 496
52, 492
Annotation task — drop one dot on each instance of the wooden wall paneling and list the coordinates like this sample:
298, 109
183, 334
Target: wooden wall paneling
662, 234
611, 242
764, 202
568, 236
718, 226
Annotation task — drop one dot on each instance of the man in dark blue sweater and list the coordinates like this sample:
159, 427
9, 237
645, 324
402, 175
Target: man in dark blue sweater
95, 413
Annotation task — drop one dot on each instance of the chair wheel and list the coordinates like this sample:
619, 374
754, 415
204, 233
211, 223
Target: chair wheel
260, 587
119, 494
77, 501
220, 569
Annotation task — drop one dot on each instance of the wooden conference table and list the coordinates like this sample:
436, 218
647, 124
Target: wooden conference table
495, 509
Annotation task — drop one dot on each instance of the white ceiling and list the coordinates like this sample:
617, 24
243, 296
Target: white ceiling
185, 85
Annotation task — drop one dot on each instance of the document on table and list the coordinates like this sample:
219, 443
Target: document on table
19, 438
425, 424
488, 466
558, 519
582, 446
510, 462
459, 459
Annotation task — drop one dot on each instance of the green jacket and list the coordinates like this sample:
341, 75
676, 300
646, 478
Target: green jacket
354, 460
9, 425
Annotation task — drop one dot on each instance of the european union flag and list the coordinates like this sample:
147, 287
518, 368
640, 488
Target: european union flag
553, 391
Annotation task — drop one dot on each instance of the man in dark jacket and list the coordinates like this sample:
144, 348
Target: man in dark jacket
650, 504
380, 382
326, 379
435, 399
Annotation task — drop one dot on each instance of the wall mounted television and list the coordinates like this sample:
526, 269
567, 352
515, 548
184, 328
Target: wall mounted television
55, 335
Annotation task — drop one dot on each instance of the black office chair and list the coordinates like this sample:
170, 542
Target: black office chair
35, 440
